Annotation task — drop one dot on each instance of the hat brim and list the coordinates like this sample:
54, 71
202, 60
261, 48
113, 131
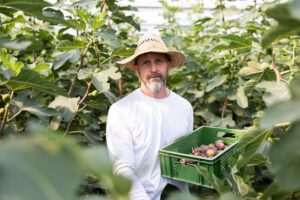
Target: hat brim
177, 58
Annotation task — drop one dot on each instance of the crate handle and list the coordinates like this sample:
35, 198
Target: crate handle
224, 134
191, 164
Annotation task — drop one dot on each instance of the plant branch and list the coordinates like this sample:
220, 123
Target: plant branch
5, 115
120, 86
292, 66
4, 120
224, 108
89, 84
273, 66
15, 115
74, 79
68, 126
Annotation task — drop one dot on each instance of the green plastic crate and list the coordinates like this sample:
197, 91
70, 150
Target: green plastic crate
170, 155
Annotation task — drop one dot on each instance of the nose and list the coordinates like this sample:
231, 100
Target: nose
153, 67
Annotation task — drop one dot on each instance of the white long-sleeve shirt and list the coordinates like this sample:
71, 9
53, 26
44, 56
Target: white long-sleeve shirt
137, 127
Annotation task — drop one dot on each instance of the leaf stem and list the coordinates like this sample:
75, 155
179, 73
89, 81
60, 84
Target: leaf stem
273, 66
74, 79
292, 66
4, 120
86, 92
89, 84
15, 115
120, 86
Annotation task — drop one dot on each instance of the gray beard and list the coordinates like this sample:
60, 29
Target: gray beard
155, 86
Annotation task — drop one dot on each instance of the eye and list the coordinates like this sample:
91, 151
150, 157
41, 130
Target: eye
145, 63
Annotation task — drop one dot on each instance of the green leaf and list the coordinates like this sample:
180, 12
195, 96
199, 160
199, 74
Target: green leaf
22, 103
97, 161
37, 167
230, 196
100, 81
215, 82
181, 196
123, 52
274, 191
67, 45
287, 24
223, 122
253, 68
77, 24
241, 98
257, 159
71, 56
85, 3
68, 107
120, 17
281, 113
98, 21
108, 37
31, 79
41, 67
235, 42
7, 11
206, 115
112, 73
275, 92
15, 44
93, 197
217, 183
38, 9
10, 62
85, 73
54, 14
83, 15
250, 85
251, 141
197, 93
294, 8
29, 7
55, 122
284, 157
295, 89
243, 188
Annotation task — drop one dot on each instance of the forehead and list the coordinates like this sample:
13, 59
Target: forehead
152, 56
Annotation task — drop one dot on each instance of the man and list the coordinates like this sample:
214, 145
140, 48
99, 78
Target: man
147, 119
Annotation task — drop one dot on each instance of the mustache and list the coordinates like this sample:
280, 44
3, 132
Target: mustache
154, 75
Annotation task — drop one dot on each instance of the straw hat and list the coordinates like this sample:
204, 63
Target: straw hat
152, 43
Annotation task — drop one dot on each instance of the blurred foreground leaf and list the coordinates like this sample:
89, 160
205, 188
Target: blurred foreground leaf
37, 168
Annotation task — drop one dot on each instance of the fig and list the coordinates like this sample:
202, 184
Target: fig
185, 161
211, 152
220, 144
197, 153
5, 98
93, 93
203, 148
196, 149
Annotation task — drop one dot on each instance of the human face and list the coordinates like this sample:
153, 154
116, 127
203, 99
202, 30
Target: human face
152, 69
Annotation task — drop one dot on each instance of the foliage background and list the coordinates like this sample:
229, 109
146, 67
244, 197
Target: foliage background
57, 69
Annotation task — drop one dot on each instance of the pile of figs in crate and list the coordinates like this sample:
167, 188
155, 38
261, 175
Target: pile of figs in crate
206, 151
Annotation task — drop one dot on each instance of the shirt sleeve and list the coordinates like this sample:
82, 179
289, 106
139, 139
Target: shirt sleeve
120, 149
190, 119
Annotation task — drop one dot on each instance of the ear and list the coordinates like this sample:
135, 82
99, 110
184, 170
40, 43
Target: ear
136, 70
169, 67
